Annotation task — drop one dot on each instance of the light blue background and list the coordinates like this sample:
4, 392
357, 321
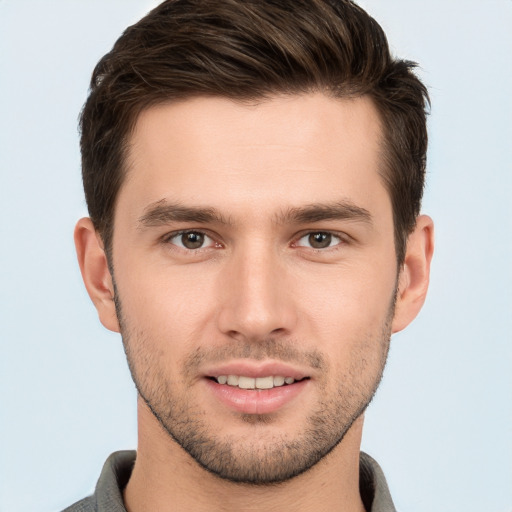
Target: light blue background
441, 424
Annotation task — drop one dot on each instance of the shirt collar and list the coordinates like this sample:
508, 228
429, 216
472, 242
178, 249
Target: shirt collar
118, 468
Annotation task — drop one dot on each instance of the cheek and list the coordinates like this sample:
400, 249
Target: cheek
347, 302
169, 303
348, 320
337, 306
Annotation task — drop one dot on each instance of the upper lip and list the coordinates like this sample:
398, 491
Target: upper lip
256, 369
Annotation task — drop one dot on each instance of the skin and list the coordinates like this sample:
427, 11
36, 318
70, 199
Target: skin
255, 292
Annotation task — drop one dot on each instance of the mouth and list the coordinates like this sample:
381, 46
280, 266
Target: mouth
257, 388
256, 383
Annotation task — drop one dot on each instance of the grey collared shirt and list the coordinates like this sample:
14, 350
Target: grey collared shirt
108, 496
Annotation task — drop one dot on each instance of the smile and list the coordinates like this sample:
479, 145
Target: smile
256, 395
243, 382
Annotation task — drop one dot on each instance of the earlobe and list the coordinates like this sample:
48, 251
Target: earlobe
415, 274
95, 272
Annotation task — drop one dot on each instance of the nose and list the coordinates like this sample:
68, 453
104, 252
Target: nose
255, 301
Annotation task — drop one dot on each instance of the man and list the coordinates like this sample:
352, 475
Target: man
253, 173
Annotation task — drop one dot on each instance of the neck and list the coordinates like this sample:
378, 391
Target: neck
166, 478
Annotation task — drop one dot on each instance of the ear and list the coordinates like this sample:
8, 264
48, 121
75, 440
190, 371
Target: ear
415, 274
95, 272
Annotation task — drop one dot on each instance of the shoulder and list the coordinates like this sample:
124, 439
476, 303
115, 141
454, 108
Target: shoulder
85, 505
373, 486
108, 495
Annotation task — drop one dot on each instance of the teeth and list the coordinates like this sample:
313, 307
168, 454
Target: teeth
246, 383
278, 381
243, 382
265, 382
232, 380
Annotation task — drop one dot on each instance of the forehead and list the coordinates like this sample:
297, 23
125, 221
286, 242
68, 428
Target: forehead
281, 152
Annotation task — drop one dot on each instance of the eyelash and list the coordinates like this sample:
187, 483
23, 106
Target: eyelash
341, 237
167, 239
342, 240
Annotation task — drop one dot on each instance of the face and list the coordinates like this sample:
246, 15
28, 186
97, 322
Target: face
255, 276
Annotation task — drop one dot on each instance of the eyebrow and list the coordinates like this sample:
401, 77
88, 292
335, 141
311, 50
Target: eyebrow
341, 210
164, 212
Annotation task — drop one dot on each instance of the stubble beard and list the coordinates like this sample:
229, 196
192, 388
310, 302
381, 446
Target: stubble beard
261, 458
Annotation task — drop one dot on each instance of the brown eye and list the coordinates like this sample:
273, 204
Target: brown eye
320, 240
192, 240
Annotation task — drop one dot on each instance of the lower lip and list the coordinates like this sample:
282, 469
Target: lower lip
257, 401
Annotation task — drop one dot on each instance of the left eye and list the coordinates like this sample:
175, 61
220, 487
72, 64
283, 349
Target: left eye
191, 240
319, 240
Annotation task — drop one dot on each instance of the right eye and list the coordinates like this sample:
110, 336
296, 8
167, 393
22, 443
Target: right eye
191, 240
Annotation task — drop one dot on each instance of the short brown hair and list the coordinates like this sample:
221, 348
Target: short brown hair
246, 50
